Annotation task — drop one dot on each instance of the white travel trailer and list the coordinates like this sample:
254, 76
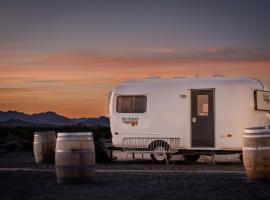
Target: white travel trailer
187, 115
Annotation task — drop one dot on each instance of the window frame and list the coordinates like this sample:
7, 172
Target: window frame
132, 96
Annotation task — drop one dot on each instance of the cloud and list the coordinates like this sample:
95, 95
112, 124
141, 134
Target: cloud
76, 83
222, 54
149, 57
13, 90
93, 69
163, 57
256, 54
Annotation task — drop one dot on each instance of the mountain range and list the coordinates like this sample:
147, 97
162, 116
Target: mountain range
14, 118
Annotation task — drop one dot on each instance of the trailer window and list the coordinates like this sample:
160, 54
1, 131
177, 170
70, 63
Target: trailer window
202, 105
131, 104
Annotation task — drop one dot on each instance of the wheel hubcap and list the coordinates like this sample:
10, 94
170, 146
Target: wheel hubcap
160, 153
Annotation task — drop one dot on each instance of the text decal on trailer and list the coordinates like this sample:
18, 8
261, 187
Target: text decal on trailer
133, 121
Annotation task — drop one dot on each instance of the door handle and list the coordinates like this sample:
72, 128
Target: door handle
194, 119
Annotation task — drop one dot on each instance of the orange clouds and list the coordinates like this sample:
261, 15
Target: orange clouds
76, 83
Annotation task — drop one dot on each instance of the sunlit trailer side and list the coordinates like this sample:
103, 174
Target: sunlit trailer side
192, 116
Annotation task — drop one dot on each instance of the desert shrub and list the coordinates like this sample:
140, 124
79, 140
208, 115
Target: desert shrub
25, 135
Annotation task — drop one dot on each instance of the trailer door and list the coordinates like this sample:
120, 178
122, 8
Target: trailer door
202, 118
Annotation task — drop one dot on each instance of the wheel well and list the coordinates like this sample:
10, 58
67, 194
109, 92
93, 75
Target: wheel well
157, 143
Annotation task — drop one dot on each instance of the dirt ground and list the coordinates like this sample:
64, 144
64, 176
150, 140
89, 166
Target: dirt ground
21, 178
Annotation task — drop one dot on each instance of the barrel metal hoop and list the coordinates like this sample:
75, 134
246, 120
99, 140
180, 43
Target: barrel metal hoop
74, 150
257, 131
42, 135
45, 142
255, 148
75, 166
73, 139
257, 136
74, 134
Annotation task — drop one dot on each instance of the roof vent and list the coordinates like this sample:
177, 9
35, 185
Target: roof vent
153, 77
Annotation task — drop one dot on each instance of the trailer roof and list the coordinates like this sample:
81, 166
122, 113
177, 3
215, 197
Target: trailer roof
203, 80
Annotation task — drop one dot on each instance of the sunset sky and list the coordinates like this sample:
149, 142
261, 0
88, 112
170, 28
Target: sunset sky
65, 56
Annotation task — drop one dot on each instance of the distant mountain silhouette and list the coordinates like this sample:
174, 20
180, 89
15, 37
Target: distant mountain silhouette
14, 118
17, 122
101, 121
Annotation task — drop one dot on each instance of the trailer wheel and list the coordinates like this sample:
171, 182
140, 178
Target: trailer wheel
192, 157
161, 148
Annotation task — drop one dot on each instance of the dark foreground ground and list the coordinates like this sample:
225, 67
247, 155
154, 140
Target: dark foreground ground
130, 180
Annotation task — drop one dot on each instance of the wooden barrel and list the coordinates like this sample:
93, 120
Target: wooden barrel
44, 146
75, 157
256, 153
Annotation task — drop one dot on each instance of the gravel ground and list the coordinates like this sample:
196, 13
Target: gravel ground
181, 181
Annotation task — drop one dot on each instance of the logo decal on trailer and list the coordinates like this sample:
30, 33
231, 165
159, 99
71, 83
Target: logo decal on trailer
133, 121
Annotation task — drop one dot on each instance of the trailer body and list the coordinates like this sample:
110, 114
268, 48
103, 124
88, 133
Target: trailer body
205, 114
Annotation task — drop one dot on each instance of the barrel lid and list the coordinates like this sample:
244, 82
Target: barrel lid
44, 132
75, 134
257, 130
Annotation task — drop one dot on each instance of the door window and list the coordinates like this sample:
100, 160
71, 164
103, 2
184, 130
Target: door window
202, 105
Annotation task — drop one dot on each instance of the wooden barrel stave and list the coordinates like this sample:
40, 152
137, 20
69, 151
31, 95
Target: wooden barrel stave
75, 158
257, 164
256, 153
44, 147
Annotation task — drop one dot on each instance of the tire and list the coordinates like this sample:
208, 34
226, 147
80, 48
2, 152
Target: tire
192, 157
160, 146
241, 157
